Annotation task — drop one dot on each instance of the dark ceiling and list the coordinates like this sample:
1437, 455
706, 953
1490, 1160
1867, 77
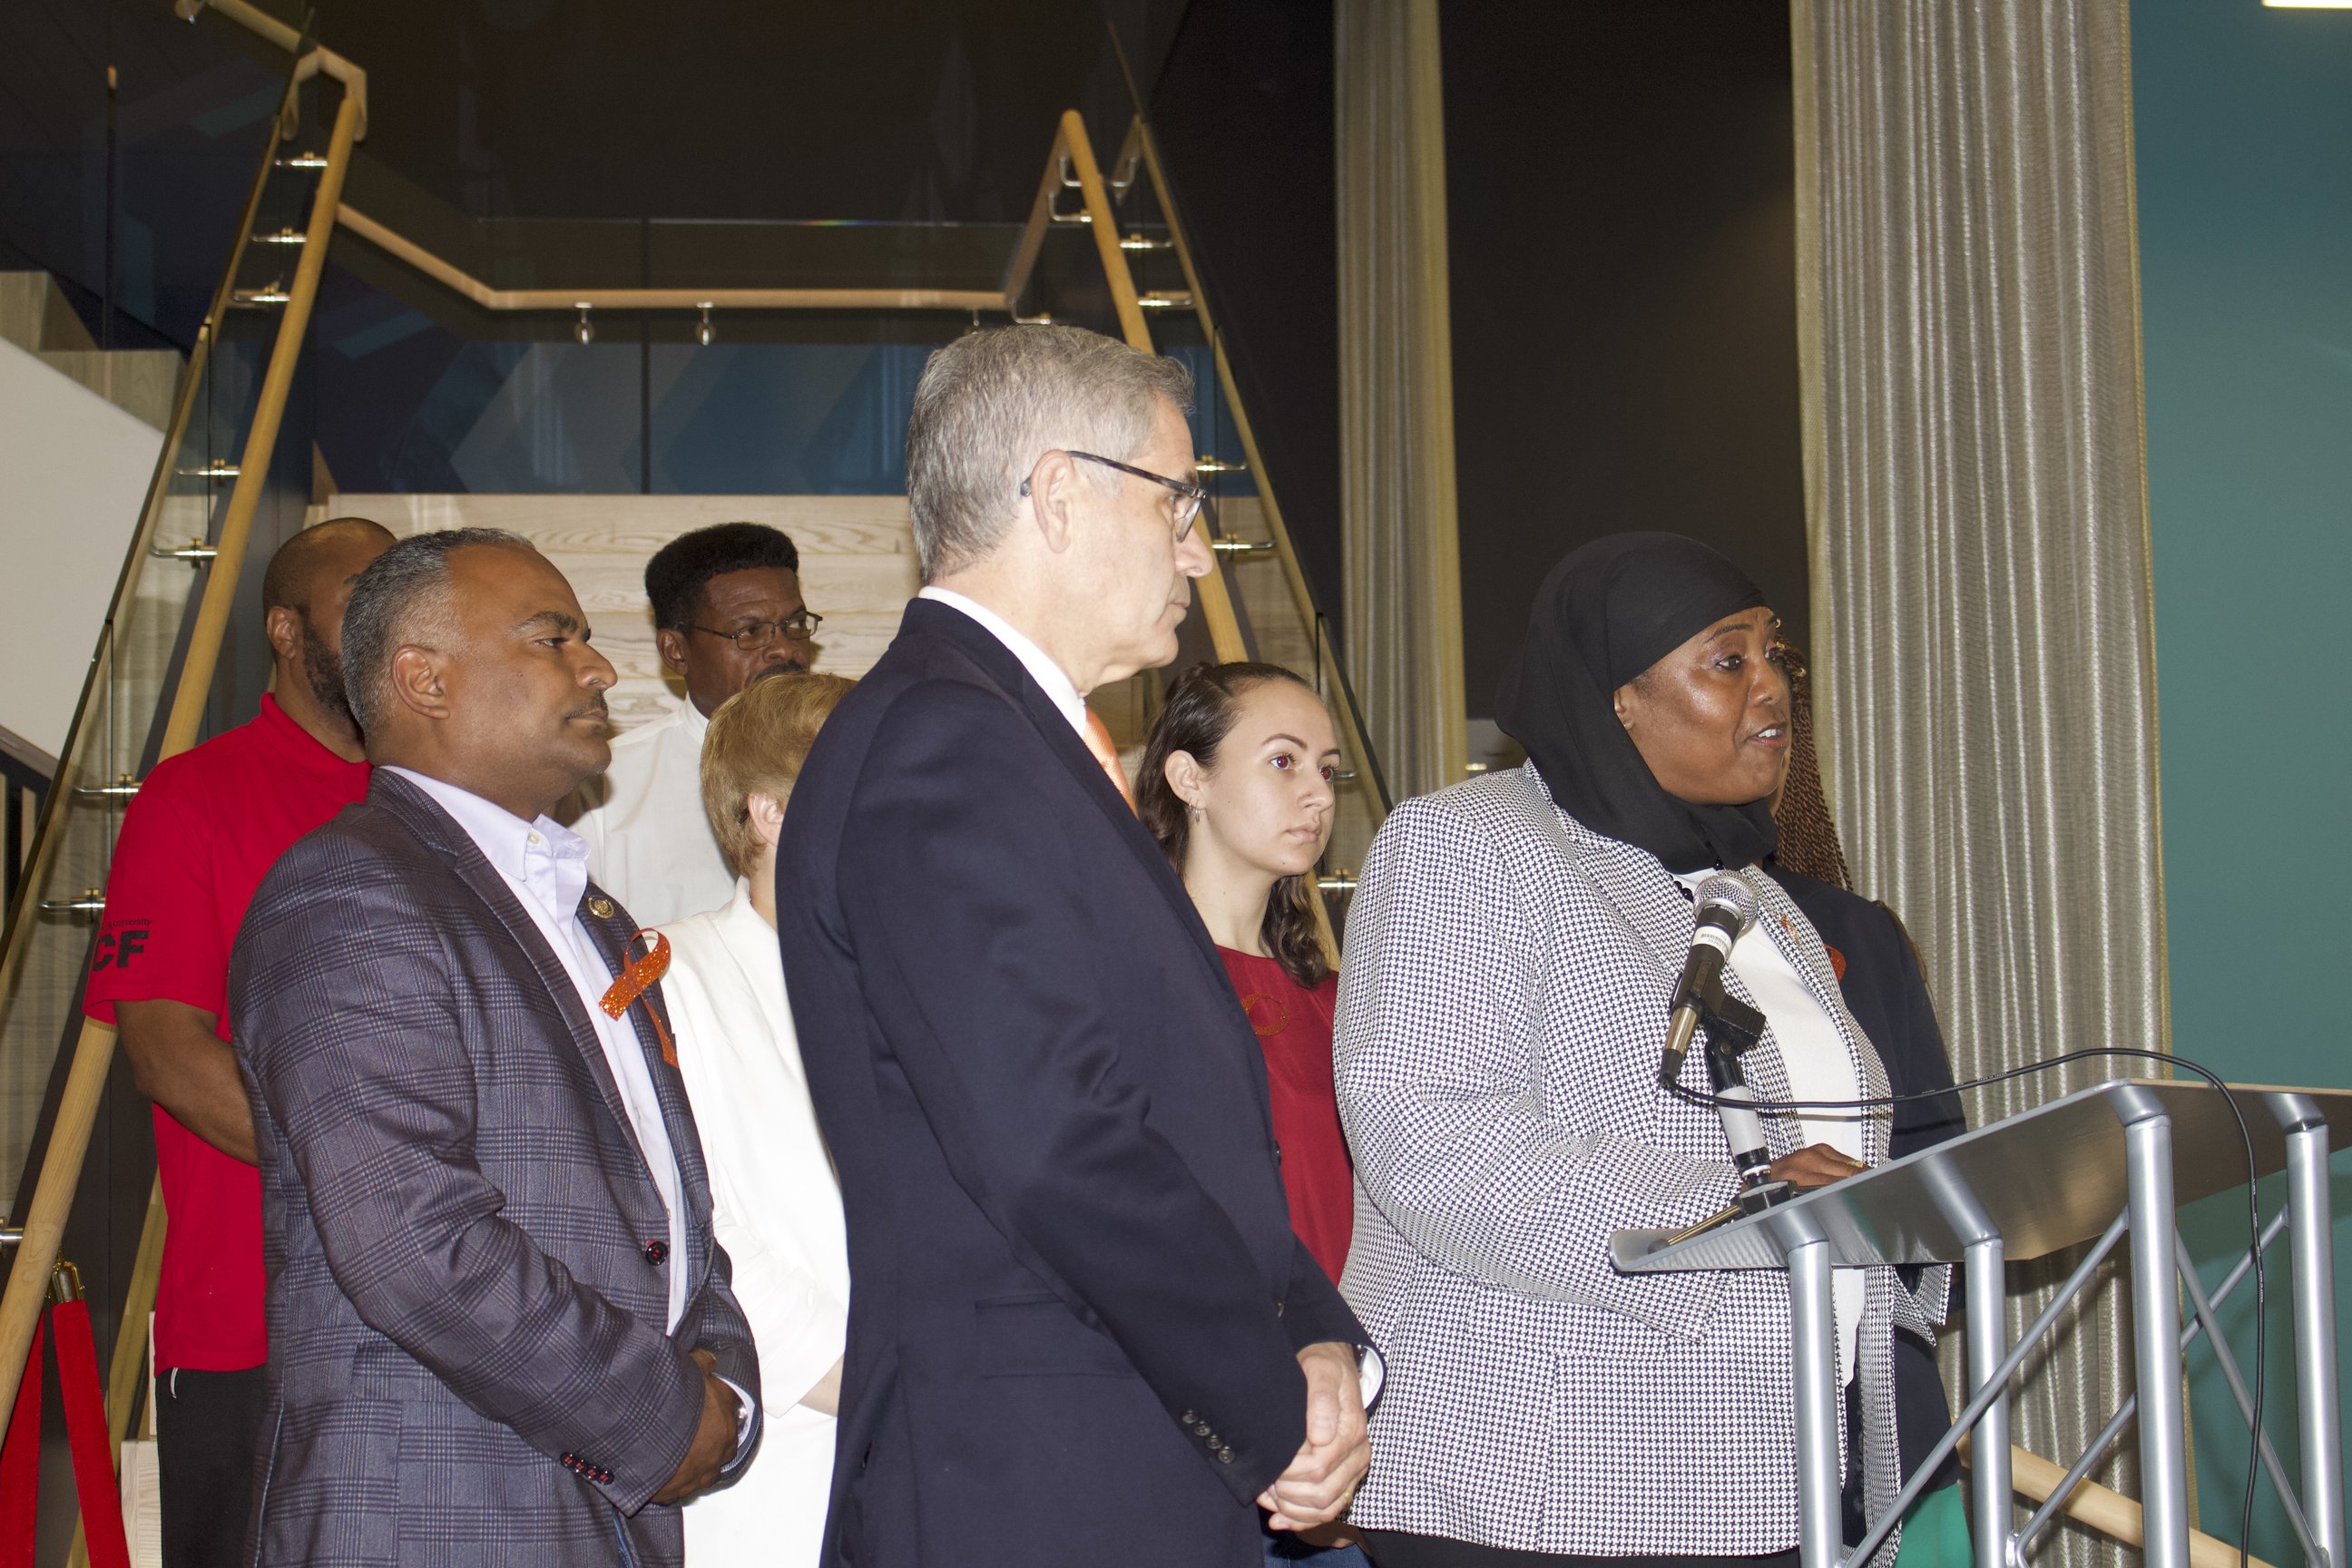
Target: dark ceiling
1620, 191
890, 110
911, 110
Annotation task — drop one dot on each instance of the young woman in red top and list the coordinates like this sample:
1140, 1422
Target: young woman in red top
1237, 786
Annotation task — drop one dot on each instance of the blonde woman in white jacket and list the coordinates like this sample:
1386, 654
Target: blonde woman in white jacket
775, 1202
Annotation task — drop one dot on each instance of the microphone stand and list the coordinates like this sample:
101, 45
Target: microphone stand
1732, 1027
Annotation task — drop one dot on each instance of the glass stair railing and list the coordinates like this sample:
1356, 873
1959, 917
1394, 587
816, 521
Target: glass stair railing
148, 695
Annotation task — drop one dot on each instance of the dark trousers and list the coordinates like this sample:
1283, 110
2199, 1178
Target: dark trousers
207, 1424
1390, 1549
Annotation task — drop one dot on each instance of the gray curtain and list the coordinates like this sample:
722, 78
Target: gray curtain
1401, 556
1984, 646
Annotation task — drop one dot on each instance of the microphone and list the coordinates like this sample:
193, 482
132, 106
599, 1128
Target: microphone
1728, 902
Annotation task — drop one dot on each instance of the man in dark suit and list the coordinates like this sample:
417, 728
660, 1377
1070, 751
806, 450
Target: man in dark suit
1080, 1328
499, 1329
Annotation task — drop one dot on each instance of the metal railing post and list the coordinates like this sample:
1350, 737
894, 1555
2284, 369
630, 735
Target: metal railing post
1987, 1274
2156, 1323
2314, 1333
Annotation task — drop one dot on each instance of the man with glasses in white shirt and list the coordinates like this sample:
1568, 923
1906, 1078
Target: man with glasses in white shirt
728, 611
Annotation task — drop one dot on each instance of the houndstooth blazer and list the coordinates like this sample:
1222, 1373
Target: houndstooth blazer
1505, 995
468, 1260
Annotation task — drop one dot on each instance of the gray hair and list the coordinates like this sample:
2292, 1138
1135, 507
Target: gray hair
403, 599
991, 402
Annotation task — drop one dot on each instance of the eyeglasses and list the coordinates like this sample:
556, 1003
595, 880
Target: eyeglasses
800, 625
1188, 495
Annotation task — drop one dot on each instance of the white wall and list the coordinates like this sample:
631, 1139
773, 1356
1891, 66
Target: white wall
858, 564
73, 471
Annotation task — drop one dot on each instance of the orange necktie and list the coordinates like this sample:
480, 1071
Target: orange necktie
1097, 737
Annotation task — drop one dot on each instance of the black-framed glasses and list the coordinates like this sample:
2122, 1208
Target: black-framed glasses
800, 625
1189, 494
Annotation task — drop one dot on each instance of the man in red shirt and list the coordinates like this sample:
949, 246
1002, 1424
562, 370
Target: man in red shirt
204, 829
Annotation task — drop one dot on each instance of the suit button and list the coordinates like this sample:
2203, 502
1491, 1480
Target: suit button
1224, 1455
658, 1253
1187, 1419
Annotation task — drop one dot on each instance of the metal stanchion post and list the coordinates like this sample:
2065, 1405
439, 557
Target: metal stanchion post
2156, 1321
1990, 1506
2315, 1328
1818, 1515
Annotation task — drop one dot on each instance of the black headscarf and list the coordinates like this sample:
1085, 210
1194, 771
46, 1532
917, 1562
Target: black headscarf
1607, 613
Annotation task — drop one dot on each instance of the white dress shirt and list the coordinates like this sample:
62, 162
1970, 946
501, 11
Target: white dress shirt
546, 863
1814, 1057
649, 843
776, 1205
1041, 669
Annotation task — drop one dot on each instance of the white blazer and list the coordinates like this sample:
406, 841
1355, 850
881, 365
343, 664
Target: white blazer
1504, 997
777, 1209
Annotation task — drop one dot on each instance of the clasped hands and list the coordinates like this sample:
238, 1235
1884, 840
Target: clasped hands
714, 1435
1321, 1479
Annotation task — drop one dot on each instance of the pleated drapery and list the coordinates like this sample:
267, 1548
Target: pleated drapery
1983, 637
1400, 552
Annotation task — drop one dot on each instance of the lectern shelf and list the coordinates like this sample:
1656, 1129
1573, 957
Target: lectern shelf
2074, 1169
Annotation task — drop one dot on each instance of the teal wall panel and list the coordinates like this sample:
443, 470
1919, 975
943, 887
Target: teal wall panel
2243, 124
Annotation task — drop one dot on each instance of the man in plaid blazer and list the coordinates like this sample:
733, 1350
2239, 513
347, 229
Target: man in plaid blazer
499, 1327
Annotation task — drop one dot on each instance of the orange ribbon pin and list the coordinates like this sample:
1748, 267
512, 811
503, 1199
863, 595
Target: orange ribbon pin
641, 976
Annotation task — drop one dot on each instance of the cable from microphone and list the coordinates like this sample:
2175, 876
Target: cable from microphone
1727, 903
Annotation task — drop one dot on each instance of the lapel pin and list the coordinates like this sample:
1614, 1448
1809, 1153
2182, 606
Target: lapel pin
600, 907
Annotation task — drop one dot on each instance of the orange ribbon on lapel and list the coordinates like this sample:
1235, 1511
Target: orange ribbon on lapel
641, 976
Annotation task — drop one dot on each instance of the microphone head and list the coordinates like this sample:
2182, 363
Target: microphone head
1730, 898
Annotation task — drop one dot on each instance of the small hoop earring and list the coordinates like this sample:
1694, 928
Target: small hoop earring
1198, 814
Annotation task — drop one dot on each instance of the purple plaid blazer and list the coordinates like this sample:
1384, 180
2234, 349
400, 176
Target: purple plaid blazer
469, 1264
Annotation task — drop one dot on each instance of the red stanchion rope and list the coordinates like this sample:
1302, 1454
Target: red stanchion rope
84, 1398
20, 1459
20, 1464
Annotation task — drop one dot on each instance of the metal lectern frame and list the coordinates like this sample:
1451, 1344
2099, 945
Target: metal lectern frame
2115, 1159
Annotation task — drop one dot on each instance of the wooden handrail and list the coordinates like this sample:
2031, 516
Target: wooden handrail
251, 17
1225, 639
2106, 1510
1293, 574
458, 281
1104, 223
1216, 604
61, 1162
269, 29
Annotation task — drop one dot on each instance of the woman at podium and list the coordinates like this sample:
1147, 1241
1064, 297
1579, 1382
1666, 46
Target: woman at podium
1512, 952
